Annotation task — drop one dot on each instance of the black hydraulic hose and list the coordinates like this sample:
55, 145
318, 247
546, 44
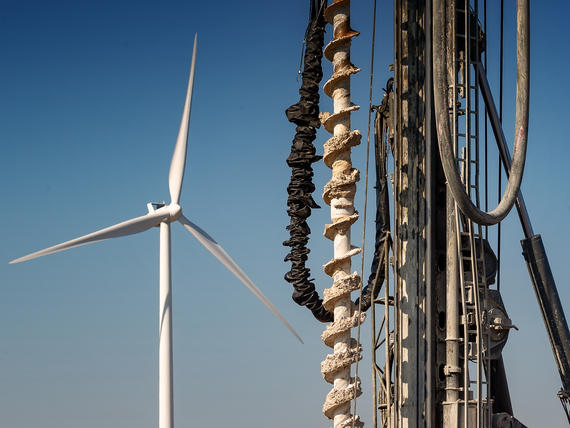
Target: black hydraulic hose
441, 97
378, 270
305, 115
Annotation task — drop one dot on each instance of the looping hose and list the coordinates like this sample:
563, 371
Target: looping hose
441, 90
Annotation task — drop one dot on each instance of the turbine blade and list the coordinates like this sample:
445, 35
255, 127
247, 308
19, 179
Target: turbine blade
129, 227
178, 162
213, 247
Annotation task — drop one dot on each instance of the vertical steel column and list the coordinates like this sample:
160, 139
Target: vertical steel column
410, 214
452, 369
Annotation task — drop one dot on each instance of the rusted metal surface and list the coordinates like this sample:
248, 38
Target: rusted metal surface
410, 205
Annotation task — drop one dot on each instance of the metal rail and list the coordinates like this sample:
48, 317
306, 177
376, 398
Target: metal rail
470, 249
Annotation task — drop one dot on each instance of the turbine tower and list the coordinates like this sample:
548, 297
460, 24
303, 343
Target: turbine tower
162, 215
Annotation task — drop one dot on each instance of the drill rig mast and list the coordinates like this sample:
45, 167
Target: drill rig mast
450, 323
439, 327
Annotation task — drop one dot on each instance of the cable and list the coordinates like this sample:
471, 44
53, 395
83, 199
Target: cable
501, 122
486, 127
381, 125
365, 201
441, 89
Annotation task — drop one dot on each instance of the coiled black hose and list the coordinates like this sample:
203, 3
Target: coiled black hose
305, 115
441, 91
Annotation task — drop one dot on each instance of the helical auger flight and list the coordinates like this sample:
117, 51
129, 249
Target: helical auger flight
339, 194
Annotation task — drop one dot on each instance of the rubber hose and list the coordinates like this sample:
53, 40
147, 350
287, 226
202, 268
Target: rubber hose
441, 90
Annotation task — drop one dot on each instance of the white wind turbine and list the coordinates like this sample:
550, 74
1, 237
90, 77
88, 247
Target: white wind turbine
161, 215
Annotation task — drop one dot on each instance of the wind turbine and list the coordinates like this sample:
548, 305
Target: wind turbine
162, 215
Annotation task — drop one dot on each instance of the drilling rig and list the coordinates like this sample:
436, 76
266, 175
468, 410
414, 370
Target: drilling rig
438, 320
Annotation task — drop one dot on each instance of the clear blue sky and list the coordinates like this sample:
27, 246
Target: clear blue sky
91, 98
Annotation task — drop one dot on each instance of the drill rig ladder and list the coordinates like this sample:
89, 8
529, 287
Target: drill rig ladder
474, 408
383, 338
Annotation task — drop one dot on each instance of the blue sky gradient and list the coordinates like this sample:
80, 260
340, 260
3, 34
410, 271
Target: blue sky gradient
92, 94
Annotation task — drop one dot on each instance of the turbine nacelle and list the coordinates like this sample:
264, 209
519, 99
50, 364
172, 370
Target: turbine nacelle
174, 211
